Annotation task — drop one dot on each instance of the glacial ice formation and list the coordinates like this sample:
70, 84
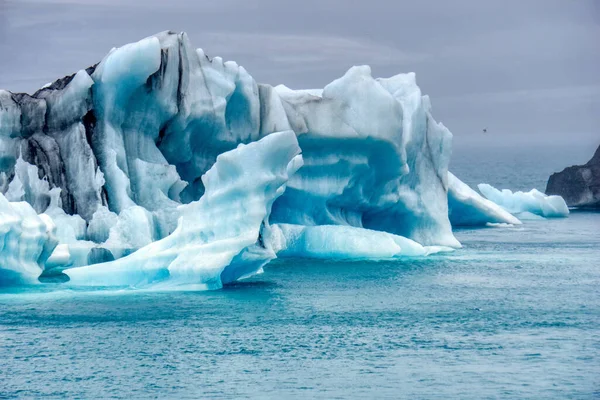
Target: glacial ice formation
374, 158
468, 208
26, 242
220, 238
115, 154
533, 202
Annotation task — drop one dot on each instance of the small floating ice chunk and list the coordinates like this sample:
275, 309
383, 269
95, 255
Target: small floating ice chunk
534, 202
469, 208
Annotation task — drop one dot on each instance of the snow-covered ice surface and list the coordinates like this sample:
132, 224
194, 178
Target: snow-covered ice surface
523, 204
220, 238
117, 154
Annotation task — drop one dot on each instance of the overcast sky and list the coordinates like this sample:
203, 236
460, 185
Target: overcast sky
520, 68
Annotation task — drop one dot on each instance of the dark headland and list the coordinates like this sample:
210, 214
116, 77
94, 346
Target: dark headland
579, 185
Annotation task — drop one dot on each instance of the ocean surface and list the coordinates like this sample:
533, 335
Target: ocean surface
514, 314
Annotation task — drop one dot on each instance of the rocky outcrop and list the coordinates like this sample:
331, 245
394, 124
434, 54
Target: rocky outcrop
579, 185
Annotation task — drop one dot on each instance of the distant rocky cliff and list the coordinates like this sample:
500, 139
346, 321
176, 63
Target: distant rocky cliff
579, 185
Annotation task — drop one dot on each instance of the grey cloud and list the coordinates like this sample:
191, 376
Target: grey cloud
527, 67
294, 54
3, 22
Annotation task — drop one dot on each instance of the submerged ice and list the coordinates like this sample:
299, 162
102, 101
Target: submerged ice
160, 164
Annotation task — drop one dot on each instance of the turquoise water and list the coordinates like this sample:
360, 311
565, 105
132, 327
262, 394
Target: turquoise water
514, 314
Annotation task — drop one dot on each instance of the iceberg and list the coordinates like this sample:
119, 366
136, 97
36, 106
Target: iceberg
141, 127
224, 236
374, 158
469, 208
26, 242
532, 202
162, 166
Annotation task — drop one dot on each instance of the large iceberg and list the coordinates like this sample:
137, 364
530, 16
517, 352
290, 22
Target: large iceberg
116, 154
532, 202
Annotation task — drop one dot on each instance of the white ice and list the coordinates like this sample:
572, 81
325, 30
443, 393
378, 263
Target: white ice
469, 208
219, 238
26, 242
344, 242
127, 144
374, 158
27, 186
532, 202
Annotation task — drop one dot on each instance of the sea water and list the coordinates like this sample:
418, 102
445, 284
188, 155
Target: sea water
514, 314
